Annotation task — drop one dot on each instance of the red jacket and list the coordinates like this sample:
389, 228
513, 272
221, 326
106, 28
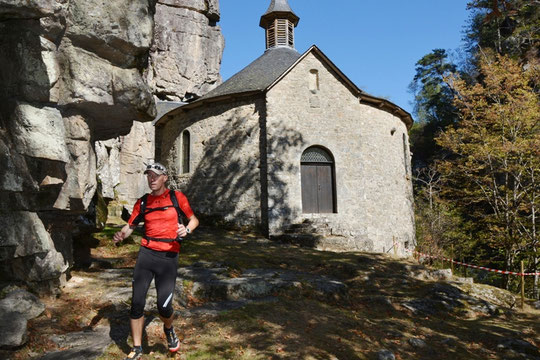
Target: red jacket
161, 224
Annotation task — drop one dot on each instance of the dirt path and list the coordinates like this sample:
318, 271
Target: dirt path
381, 309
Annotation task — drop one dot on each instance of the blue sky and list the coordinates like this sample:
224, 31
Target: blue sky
375, 43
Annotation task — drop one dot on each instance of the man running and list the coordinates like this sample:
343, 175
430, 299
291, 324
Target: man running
158, 255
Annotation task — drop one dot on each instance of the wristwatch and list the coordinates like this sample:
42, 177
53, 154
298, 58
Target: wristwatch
188, 230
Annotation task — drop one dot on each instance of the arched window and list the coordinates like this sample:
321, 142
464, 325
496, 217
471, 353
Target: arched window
185, 151
318, 185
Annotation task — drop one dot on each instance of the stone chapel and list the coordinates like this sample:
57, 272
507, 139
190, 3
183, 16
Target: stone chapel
292, 146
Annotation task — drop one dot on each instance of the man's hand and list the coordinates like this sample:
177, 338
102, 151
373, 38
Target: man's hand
181, 232
119, 236
122, 234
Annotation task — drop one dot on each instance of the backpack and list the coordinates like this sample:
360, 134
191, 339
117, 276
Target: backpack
144, 211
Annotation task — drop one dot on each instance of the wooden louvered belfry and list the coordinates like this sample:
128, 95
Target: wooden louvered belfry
279, 22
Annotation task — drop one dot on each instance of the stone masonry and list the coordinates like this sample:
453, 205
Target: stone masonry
245, 160
371, 152
225, 176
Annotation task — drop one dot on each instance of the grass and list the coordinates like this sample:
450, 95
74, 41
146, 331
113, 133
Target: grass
298, 324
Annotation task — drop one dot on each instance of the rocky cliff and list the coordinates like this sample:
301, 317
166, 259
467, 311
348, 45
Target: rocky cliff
184, 63
74, 72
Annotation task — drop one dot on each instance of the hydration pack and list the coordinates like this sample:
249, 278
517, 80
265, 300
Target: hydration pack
144, 211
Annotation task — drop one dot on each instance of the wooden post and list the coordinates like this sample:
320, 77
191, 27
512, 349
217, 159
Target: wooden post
452, 258
442, 262
522, 285
395, 248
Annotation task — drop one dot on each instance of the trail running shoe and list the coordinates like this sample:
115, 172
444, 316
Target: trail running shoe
136, 353
172, 339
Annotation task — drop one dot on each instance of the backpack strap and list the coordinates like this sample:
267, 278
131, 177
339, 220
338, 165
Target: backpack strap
179, 211
142, 210
174, 200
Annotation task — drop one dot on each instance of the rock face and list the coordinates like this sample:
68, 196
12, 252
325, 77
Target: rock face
184, 63
121, 164
186, 54
72, 72
79, 83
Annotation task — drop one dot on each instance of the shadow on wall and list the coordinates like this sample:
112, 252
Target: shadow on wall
230, 182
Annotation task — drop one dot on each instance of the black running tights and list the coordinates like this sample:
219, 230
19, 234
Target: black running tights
158, 265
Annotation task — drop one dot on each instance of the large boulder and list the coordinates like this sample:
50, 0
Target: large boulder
16, 309
104, 92
38, 132
118, 31
186, 54
27, 251
73, 73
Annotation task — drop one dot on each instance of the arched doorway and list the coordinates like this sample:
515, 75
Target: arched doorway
318, 185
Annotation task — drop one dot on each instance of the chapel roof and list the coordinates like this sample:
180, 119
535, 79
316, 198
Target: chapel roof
271, 67
258, 75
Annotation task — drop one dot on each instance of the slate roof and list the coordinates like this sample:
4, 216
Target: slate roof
164, 107
258, 75
275, 63
279, 7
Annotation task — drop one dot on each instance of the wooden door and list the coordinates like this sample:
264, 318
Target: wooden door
317, 188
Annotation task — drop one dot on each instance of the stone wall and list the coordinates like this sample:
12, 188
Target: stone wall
71, 74
225, 172
373, 184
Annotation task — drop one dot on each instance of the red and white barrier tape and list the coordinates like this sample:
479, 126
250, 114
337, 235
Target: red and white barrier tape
475, 266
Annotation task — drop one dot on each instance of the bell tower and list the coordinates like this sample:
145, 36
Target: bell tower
279, 22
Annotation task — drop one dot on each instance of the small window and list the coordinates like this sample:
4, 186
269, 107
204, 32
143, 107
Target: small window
405, 155
314, 81
185, 151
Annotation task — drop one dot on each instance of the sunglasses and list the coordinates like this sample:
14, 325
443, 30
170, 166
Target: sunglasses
155, 167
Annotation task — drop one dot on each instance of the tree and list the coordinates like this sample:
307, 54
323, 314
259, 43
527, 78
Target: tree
494, 156
438, 225
509, 27
433, 108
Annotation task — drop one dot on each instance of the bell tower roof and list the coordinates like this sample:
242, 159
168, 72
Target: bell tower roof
281, 9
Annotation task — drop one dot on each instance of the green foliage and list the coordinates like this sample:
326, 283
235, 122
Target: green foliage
476, 186
494, 149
